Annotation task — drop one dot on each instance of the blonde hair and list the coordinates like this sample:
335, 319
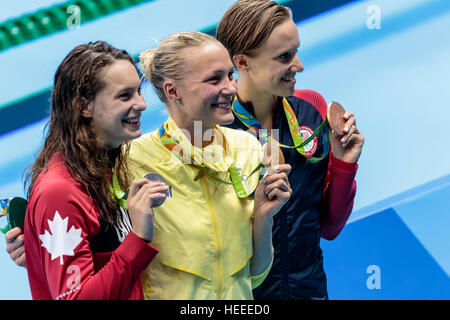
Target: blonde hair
247, 24
166, 61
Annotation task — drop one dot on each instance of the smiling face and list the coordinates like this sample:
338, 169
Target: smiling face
207, 88
273, 67
117, 107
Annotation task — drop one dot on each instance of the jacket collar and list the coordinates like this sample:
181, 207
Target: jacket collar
217, 156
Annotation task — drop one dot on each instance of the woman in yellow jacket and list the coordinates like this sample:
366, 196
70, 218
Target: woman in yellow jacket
213, 235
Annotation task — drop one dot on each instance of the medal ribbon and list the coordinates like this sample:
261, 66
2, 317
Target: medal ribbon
117, 192
250, 122
173, 145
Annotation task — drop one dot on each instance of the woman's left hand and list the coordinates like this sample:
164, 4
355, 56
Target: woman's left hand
272, 193
347, 147
15, 246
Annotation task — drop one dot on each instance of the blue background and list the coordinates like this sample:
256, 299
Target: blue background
395, 79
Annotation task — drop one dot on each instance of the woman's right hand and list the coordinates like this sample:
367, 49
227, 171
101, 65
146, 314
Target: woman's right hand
141, 196
272, 192
15, 246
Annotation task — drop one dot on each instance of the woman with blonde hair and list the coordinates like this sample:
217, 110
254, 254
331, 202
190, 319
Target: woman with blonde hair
262, 40
213, 231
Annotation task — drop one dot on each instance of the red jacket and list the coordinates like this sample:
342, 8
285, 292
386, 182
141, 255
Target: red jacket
340, 184
63, 260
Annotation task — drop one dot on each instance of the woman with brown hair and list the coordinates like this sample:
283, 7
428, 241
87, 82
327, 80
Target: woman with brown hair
79, 244
262, 40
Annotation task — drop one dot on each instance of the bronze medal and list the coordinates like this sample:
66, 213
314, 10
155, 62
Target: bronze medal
336, 117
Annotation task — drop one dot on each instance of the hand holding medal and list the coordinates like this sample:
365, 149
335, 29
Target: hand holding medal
273, 190
335, 115
346, 140
14, 210
143, 195
151, 176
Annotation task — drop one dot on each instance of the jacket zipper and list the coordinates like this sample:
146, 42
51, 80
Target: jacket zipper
285, 264
216, 236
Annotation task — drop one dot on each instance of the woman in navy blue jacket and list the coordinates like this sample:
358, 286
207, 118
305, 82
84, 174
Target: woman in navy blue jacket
262, 40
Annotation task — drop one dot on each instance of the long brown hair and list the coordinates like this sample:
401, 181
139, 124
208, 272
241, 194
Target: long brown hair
76, 83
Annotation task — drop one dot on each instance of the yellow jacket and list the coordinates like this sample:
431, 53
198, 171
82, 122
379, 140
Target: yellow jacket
203, 230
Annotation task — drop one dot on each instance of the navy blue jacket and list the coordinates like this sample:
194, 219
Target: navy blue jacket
321, 202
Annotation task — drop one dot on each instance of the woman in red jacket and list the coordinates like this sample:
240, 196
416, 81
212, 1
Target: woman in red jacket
79, 244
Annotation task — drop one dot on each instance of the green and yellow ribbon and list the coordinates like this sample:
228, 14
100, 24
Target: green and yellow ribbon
251, 123
174, 146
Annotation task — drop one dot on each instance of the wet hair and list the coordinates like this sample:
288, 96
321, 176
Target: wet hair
247, 24
77, 81
166, 61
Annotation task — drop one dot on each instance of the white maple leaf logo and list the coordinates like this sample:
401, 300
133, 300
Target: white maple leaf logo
60, 242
